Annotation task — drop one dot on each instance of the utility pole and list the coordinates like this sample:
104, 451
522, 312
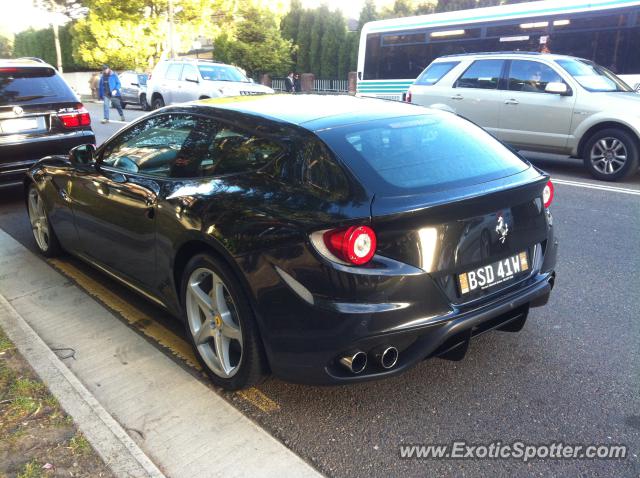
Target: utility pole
56, 39
171, 29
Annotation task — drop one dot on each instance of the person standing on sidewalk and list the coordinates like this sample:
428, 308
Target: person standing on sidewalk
109, 92
289, 83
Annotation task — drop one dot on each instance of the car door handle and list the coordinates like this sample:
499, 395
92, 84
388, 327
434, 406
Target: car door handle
457, 97
512, 101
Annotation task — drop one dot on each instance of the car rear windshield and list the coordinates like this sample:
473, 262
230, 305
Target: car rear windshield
428, 152
435, 72
32, 85
221, 73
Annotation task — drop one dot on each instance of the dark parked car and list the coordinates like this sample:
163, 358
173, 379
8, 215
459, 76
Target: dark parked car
39, 115
324, 239
134, 89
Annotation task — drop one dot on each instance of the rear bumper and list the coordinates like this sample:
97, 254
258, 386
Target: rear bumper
440, 335
17, 156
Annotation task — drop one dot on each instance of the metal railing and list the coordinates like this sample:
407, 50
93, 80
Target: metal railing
320, 86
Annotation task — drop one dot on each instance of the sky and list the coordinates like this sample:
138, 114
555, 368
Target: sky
18, 15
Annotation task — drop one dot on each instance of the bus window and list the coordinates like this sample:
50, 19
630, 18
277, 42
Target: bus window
372, 57
435, 72
483, 74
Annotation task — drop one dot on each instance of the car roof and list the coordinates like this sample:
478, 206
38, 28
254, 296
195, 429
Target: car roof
22, 62
511, 54
314, 112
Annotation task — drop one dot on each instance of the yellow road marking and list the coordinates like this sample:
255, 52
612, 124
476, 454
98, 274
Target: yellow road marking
151, 328
259, 400
146, 324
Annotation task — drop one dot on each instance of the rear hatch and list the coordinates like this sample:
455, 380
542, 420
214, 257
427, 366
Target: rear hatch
450, 199
31, 97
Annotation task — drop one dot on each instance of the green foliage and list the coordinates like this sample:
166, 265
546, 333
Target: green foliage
257, 45
40, 43
332, 37
6, 48
303, 61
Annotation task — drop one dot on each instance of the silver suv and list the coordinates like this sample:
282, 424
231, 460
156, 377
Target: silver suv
541, 102
179, 81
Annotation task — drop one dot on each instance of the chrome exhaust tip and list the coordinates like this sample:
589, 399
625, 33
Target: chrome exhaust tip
355, 362
386, 357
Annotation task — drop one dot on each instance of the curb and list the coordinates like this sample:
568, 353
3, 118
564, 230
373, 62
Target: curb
119, 452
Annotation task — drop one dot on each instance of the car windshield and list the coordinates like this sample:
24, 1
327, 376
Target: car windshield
425, 152
142, 80
221, 73
25, 85
593, 77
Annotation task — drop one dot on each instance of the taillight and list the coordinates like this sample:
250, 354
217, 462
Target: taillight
355, 245
547, 194
76, 117
407, 98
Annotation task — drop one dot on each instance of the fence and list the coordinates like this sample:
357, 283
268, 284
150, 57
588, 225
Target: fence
321, 86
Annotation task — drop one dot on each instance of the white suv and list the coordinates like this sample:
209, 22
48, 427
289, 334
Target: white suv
179, 81
541, 102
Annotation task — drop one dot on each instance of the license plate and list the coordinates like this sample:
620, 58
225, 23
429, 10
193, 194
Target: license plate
493, 274
21, 125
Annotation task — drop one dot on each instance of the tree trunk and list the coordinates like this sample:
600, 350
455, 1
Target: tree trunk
56, 39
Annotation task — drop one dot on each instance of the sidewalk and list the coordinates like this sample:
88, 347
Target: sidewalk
181, 425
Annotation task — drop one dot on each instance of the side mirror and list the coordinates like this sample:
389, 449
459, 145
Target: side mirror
83, 156
557, 88
192, 79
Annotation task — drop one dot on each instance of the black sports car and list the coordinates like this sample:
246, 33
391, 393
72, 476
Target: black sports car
325, 239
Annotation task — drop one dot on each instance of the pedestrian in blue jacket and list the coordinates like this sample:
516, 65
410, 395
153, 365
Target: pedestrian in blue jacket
109, 92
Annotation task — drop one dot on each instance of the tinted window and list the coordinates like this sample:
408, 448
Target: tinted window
483, 74
435, 72
142, 80
430, 152
235, 151
322, 173
32, 85
173, 72
531, 76
153, 146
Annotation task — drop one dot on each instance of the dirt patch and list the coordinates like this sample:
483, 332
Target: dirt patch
37, 439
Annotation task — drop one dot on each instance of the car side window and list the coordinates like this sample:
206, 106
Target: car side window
531, 76
189, 71
153, 146
482, 74
235, 151
173, 72
322, 173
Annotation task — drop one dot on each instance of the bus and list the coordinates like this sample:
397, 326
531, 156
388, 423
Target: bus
393, 53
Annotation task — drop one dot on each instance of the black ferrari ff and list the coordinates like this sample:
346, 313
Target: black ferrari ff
324, 239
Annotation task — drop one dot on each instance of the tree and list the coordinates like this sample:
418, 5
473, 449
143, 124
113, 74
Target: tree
257, 45
367, 14
6, 49
332, 38
400, 8
303, 61
315, 47
452, 5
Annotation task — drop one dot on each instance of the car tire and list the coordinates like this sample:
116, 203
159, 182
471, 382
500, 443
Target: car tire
221, 325
43, 233
143, 103
611, 154
157, 102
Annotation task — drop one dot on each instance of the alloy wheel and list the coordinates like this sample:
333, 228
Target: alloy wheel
38, 219
608, 155
214, 323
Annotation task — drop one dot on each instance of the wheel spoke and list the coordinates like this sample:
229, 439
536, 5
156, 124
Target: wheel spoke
222, 351
229, 328
202, 298
205, 332
602, 144
619, 160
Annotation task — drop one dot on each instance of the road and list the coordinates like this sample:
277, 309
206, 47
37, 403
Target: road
572, 374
